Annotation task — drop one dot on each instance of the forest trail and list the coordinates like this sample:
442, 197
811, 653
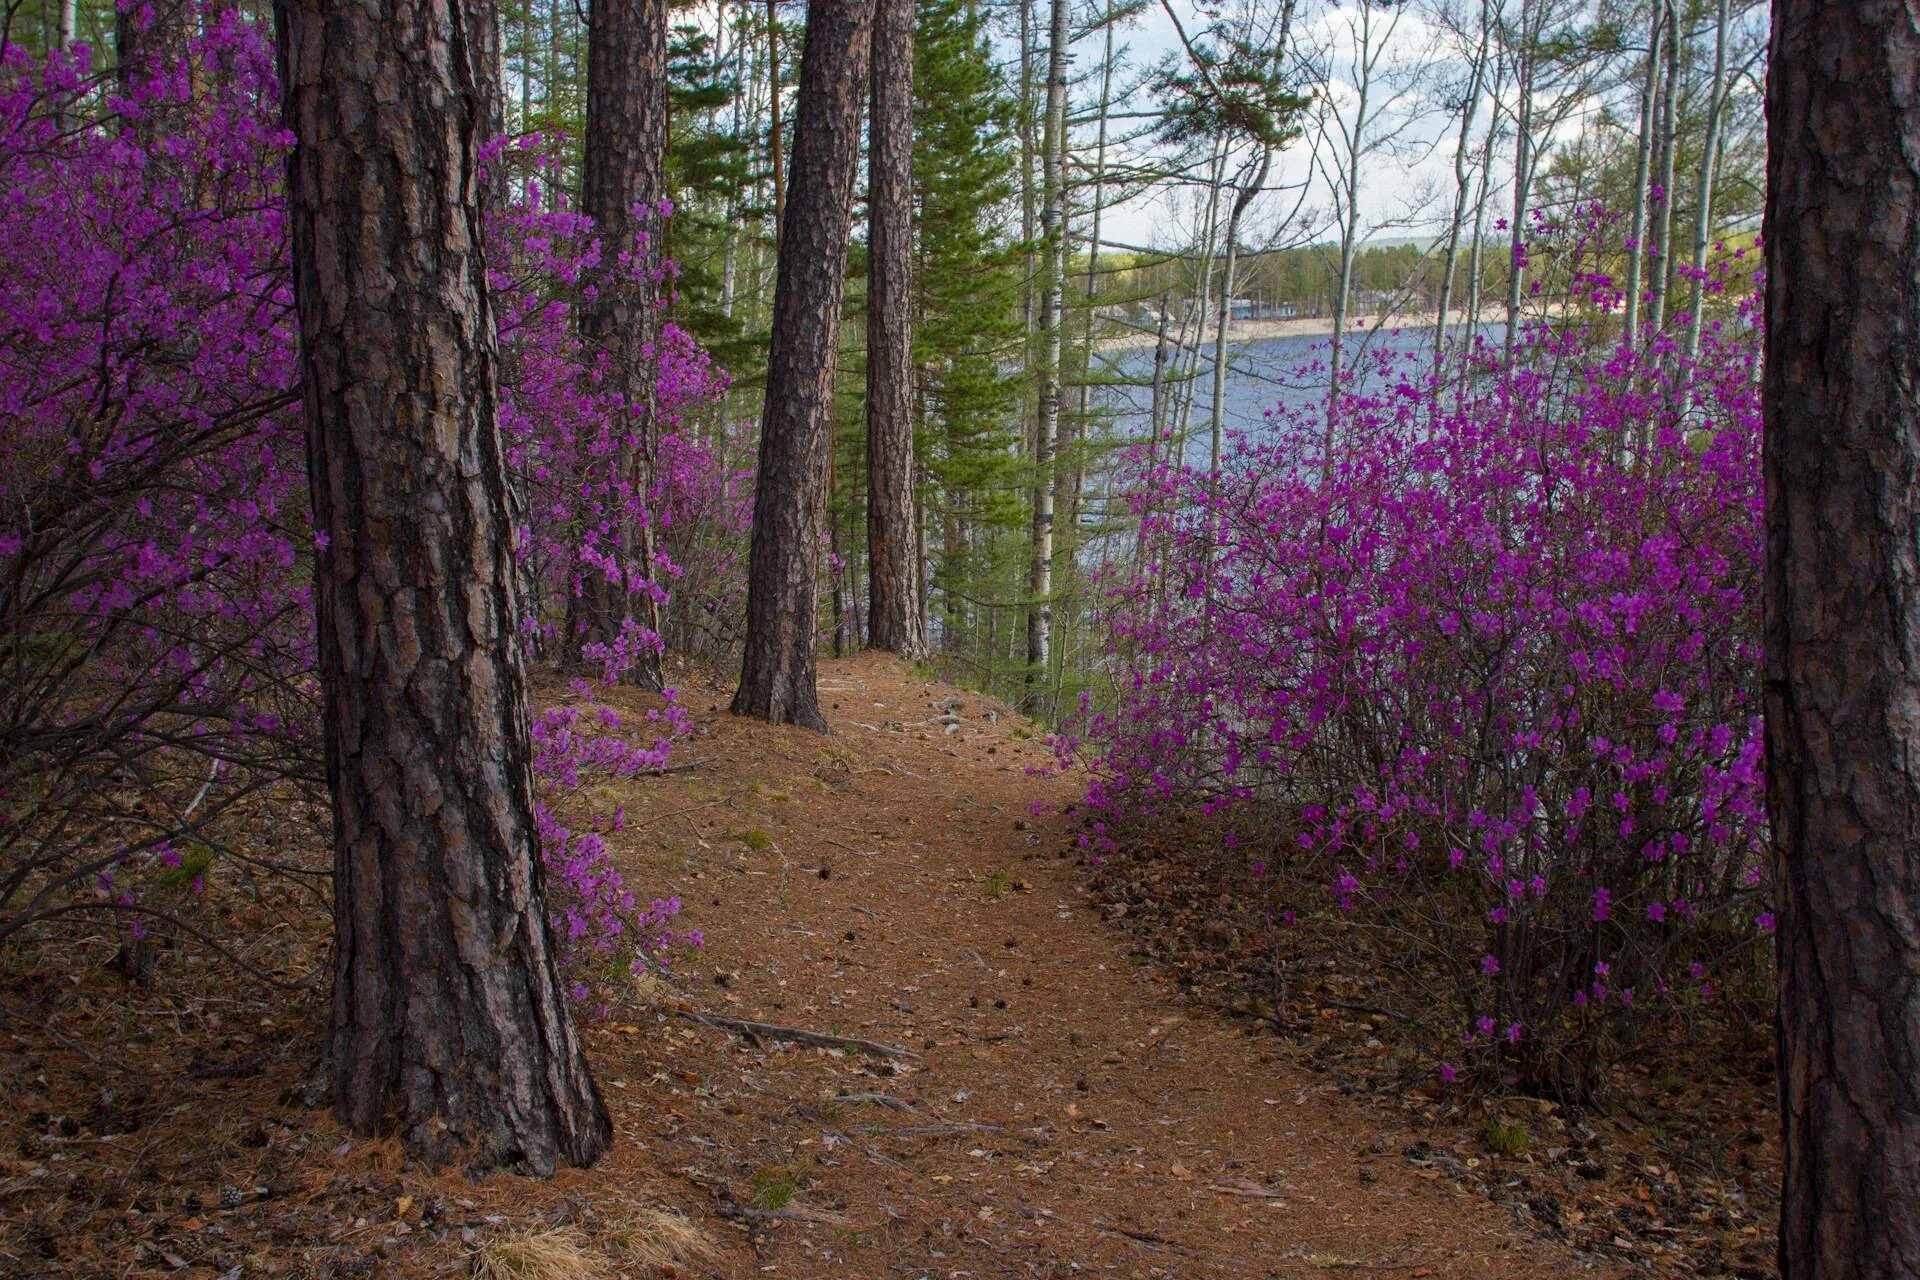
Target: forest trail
1069, 1114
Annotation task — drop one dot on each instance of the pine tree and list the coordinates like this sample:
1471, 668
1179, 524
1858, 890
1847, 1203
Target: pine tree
777, 670
448, 1015
968, 333
894, 617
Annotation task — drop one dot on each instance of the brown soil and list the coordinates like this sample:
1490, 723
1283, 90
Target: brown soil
1068, 1112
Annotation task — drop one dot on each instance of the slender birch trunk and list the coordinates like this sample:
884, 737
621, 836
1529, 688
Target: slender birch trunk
1463, 184
1053, 225
1709, 160
1642, 173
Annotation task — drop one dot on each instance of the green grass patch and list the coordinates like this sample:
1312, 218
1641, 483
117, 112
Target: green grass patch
774, 1189
1507, 1139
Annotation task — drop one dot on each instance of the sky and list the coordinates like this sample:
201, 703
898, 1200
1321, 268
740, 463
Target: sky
1406, 180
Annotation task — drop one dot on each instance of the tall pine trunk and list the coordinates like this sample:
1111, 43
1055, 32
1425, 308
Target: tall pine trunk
894, 620
1843, 628
448, 1015
623, 181
777, 675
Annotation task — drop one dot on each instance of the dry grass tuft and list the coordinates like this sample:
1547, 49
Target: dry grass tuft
660, 1238
651, 992
560, 1253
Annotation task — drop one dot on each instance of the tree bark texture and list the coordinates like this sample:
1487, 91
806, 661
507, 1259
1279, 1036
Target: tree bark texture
1842, 465
623, 179
448, 1015
796, 427
893, 616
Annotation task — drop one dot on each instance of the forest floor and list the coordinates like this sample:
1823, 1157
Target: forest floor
908, 881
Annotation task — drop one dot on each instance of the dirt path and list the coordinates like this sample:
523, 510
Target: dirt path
1067, 1114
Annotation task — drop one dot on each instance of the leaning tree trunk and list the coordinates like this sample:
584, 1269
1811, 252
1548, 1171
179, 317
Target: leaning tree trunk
623, 181
1843, 628
796, 427
448, 1015
893, 614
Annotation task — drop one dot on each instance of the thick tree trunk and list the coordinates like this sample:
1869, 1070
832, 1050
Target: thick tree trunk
623, 181
894, 620
1843, 628
796, 428
448, 1014
1053, 232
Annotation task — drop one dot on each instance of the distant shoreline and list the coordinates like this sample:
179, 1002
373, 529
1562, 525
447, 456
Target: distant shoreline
1294, 327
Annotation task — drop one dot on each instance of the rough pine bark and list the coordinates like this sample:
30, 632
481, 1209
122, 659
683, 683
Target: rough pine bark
448, 1018
623, 179
893, 615
1843, 627
796, 427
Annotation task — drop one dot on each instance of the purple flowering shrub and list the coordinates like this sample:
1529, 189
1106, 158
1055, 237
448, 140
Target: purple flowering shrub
567, 427
602, 929
156, 623
1487, 673
156, 628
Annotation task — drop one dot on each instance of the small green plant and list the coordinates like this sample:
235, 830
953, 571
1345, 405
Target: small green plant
1507, 1139
997, 884
774, 1189
195, 860
754, 838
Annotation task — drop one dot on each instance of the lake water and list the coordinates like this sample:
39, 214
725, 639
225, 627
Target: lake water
1261, 374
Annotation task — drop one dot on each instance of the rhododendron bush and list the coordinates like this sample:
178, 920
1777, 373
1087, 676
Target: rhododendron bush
156, 625
1486, 677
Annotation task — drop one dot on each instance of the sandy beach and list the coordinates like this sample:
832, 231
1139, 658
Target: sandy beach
1298, 327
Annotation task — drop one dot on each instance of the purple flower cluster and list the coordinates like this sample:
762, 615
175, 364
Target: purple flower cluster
156, 618
1477, 647
599, 925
